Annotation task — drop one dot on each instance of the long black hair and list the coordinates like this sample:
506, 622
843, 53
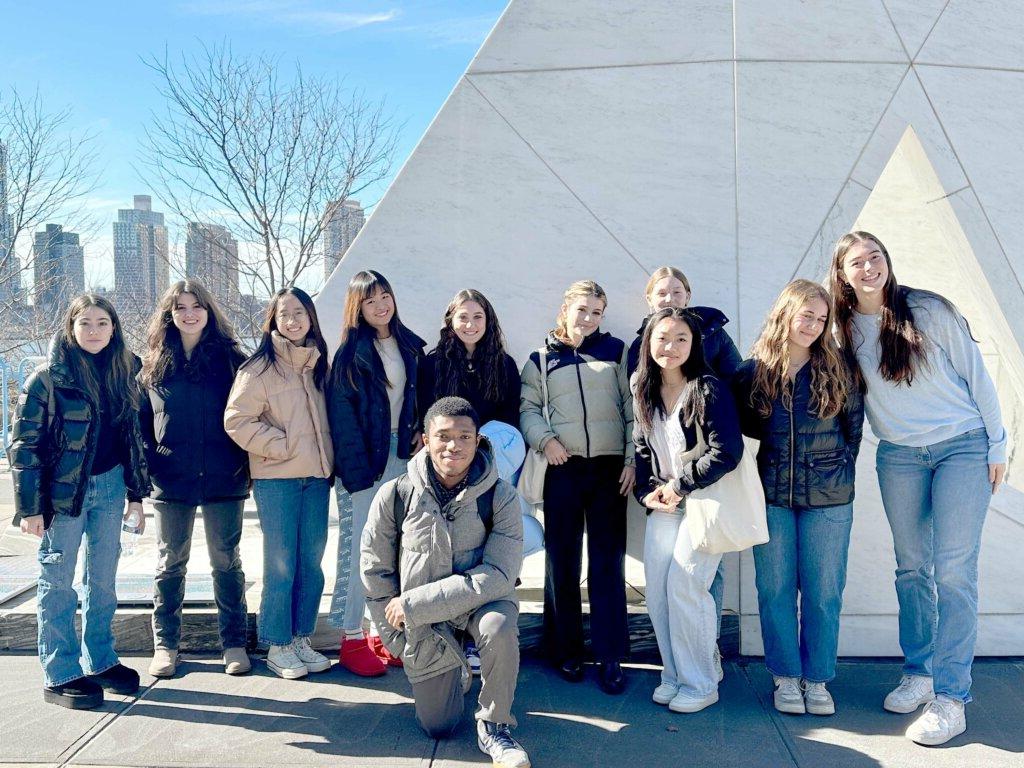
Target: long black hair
362, 286
265, 351
647, 385
489, 355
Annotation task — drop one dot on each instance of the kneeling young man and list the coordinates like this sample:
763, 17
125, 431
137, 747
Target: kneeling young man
441, 552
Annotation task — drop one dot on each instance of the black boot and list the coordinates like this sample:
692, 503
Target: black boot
610, 677
80, 693
119, 679
571, 670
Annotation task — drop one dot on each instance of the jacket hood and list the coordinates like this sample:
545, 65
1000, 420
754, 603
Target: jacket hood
58, 364
483, 472
710, 320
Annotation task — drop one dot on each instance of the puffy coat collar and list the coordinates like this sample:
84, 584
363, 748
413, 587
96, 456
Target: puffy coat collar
483, 473
595, 339
710, 319
59, 365
300, 359
364, 349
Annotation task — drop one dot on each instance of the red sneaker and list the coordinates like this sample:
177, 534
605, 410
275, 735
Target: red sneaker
357, 657
382, 653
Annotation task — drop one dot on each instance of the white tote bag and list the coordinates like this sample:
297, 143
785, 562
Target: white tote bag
729, 515
535, 466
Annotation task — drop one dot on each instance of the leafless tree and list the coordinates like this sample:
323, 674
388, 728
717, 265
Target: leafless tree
262, 151
46, 172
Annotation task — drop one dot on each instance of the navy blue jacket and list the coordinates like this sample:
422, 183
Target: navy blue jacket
720, 351
359, 410
803, 461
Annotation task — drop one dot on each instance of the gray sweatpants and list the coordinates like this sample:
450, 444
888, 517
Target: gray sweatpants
439, 700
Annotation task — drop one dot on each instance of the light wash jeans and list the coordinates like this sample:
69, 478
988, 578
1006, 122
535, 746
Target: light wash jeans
293, 517
680, 604
936, 499
806, 552
63, 657
348, 604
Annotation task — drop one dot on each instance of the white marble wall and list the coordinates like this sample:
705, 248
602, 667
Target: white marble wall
736, 140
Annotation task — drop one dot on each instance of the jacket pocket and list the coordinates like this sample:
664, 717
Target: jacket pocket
828, 476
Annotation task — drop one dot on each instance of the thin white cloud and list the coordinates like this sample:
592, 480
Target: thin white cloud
459, 30
295, 13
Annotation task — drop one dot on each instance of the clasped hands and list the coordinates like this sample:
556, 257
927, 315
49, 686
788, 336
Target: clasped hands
664, 498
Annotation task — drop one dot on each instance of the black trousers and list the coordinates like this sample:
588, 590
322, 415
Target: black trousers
584, 493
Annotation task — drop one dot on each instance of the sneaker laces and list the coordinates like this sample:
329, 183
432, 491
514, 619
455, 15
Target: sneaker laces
940, 710
501, 736
813, 689
787, 687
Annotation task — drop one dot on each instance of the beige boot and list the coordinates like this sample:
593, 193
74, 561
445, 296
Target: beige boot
164, 663
236, 661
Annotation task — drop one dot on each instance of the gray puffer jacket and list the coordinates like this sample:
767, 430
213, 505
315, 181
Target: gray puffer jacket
449, 565
589, 398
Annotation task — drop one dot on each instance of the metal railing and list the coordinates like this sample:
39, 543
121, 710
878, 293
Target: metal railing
11, 374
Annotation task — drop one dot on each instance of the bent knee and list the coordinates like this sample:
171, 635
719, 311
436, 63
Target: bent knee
439, 727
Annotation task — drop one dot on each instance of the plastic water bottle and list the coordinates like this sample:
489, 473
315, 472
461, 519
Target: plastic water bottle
130, 532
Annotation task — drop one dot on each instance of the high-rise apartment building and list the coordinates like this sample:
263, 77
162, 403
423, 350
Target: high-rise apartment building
211, 256
341, 223
58, 262
10, 269
141, 259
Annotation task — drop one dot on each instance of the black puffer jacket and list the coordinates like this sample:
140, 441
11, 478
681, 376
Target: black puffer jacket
470, 386
191, 458
54, 441
803, 461
720, 351
360, 414
721, 431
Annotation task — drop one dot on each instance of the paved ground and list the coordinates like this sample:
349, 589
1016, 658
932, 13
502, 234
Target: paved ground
205, 718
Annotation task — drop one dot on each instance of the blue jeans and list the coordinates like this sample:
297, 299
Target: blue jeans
63, 657
293, 517
936, 499
806, 552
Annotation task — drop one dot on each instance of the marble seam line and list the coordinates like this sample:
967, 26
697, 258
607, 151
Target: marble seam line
970, 183
736, 176
930, 30
849, 175
560, 180
683, 63
899, 37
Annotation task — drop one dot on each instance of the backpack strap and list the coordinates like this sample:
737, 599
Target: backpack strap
403, 496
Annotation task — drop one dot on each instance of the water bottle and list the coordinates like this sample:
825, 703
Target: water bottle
130, 531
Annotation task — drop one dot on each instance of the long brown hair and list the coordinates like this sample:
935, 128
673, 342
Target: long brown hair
118, 380
164, 350
647, 384
489, 354
829, 372
581, 289
265, 351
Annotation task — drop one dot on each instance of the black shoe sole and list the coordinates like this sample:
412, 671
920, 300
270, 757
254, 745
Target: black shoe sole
572, 676
71, 701
115, 688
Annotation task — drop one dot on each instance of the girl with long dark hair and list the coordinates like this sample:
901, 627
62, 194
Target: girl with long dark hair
941, 455
277, 411
374, 424
796, 396
187, 372
76, 454
588, 445
687, 436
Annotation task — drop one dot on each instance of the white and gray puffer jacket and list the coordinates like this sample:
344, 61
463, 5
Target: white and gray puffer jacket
449, 565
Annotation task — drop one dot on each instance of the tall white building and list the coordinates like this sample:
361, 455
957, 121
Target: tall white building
141, 268
342, 221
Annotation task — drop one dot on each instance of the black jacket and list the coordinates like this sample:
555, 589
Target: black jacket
54, 442
505, 409
720, 353
721, 431
360, 413
803, 461
191, 458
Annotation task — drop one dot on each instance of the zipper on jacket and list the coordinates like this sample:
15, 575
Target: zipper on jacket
583, 400
792, 444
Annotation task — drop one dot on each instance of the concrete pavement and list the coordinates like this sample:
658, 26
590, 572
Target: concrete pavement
205, 718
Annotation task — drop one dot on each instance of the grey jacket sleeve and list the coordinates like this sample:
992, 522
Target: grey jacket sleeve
532, 423
493, 579
378, 560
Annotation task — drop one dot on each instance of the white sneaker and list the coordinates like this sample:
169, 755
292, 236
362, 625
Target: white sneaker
313, 660
664, 693
284, 663
164, 663
942, 720
788, 696
911, 693
687, 703
817, 699
472, 657
495, 740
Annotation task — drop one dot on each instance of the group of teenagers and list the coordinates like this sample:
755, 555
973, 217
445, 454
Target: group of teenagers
431, 528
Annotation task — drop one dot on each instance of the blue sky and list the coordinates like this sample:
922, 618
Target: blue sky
88, 56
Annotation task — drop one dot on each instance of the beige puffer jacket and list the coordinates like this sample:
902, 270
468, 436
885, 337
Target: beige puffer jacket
280, 417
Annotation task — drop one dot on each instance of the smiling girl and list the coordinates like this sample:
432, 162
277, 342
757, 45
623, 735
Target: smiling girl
588, 445
795, 395
277, 412
941, 455
374, 418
